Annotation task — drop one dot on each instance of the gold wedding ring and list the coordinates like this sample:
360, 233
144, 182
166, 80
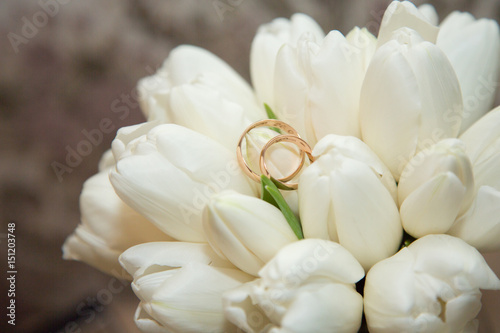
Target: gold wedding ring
291, 136
304, 148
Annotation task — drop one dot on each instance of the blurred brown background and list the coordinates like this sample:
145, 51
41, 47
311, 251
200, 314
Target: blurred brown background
80, 59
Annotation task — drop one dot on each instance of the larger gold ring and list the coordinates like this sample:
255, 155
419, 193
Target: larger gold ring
304, 148
268, 123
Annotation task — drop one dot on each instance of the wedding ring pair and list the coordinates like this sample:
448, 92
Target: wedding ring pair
291, 136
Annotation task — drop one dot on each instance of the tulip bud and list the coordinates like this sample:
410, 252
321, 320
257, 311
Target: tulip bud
170, 174
482, 142
246, 230
266, 44
206, 110
343, 197
108, 226
303, 72
410, 98
401, 14
473, 48
435, 188
185, 65
429, 12
180, 286
480, 225
307, 287
430, 286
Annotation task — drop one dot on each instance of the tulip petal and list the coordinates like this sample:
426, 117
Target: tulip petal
433, 207
246, 230
473, 48
482, 141
429, 12
303, 72
329, 308
147, 257
307, 259
410, 99
404, 14
480, 225
206, 111
266, 44
366, 216
146, 323
430, 286
108, 227
170, 174
185, 64
176, 303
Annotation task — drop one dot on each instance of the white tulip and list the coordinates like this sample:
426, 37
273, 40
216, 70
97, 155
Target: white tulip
401, 14
170, 174
108, 226
307, 287
430, 286
205, 110
473, 48
185, 65
480, 225
302, 73
410, 98
180, 286
343, 197
482, 141
435, 188
246, 230
266, 44
429, 13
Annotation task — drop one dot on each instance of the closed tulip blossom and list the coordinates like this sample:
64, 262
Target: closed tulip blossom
170, 190
480, 225
345, 196
431, 286
245, 230
307, 287
170, 279
351, 160
108, 226
435, 188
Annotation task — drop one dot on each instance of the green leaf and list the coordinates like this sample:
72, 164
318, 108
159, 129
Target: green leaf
272, 195
271, 115
269, 111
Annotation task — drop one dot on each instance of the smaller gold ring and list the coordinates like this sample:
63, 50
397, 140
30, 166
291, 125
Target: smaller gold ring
268, 123
304, 148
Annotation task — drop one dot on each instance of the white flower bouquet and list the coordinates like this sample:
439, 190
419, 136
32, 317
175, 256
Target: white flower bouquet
379, 226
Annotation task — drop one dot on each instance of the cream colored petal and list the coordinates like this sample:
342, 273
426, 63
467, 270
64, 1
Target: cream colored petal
433, 207
410, 99
404, 14
480, 225
473, 47
266, 44
246, 230
170, 174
